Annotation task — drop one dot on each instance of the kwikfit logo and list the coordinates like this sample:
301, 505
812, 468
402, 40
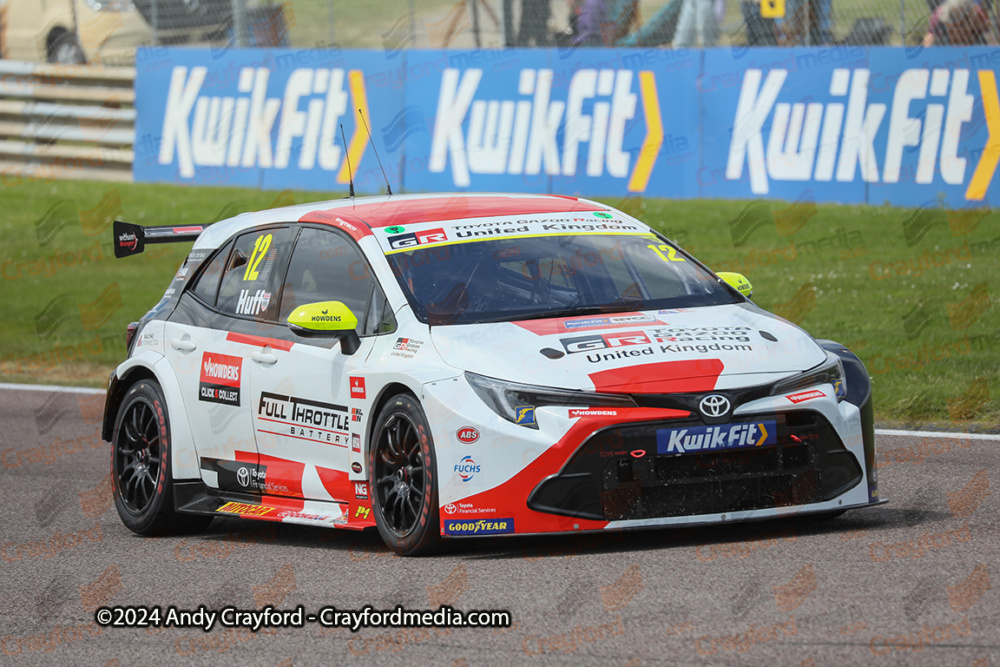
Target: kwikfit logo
236, 131
835, 140
522, 136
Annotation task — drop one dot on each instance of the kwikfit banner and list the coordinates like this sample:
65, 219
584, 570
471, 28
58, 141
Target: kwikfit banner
846, 124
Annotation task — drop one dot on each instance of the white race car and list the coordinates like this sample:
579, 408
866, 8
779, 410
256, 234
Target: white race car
467, 365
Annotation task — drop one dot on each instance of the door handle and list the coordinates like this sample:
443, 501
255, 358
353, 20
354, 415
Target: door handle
183, 344
264, 358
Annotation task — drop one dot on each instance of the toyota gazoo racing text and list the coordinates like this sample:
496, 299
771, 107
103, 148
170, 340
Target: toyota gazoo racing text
445, 366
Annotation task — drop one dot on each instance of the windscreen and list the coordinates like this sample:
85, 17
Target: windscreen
520, 278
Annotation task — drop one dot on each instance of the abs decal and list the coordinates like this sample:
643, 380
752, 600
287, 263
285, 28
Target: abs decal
303, 419
220, 378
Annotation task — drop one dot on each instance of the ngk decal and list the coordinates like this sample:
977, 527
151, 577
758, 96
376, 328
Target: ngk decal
220, 378
540, 130
202, 130
602, 341
834, 139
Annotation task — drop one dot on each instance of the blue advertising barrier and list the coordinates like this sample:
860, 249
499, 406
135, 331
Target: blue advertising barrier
843, 124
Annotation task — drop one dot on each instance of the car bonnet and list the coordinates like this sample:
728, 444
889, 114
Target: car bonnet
654, 351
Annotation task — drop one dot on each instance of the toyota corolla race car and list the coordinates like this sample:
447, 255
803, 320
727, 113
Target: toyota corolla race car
444, 366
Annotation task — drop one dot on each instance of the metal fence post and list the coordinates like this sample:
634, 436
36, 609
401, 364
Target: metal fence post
240, 31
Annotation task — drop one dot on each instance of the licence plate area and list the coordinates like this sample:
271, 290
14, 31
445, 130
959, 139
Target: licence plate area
720, 437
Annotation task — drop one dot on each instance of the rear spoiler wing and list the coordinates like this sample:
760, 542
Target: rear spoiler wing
131, 239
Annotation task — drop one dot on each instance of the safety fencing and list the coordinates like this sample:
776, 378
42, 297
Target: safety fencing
66, 121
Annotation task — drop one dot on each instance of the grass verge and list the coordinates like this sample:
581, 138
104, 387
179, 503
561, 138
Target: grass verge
908, 290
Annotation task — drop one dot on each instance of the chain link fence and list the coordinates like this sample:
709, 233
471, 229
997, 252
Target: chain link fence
108, 31
398, 24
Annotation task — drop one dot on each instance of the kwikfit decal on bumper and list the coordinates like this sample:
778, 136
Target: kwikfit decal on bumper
724, 436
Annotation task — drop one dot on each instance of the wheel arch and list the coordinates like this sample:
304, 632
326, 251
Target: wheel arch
388, 392
152, 366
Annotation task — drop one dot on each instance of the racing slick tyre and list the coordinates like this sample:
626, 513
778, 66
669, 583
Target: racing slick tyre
140, 465
404, 478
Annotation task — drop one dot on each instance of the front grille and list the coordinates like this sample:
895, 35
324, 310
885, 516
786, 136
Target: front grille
619, 474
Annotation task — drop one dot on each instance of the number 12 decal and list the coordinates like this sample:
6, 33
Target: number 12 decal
260, 247
671, 255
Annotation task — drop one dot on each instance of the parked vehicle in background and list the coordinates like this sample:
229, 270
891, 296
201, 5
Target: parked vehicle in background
109, 31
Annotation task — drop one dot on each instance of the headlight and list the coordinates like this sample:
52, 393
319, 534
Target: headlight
831, 371
517, 402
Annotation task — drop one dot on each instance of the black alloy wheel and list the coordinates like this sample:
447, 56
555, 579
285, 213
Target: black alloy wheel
403, 473
140, 465
138, 461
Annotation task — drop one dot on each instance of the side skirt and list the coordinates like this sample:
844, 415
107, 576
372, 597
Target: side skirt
195, 497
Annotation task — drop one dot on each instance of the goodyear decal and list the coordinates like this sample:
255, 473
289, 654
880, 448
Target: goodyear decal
724, 436
478, 526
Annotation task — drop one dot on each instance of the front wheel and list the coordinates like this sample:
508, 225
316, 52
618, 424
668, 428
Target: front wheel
403, 469
140, 464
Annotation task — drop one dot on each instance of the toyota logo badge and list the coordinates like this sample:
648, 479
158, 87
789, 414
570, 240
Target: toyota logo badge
714, 405
243, 476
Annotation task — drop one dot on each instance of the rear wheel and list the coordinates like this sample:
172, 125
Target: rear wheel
404, 478
140, 465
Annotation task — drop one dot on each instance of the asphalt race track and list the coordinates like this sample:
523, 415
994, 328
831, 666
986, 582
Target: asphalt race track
911, 582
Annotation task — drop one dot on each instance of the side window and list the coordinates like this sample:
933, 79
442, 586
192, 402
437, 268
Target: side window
251, 280
208, 280
380, 319
326, 267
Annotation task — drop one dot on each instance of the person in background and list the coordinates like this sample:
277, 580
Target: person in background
760, 31
696, 25
959, 22
534, 23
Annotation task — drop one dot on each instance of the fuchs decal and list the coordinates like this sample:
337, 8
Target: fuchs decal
220, 378
467, 468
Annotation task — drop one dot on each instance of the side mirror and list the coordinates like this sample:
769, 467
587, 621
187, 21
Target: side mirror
326, 319
737, 281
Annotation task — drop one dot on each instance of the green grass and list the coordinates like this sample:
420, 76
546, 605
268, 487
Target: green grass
940, 365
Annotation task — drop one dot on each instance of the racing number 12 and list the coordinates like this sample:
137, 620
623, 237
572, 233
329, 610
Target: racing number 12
260, 247
671, 255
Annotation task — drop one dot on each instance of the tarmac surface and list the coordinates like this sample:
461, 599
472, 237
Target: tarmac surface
910, 582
